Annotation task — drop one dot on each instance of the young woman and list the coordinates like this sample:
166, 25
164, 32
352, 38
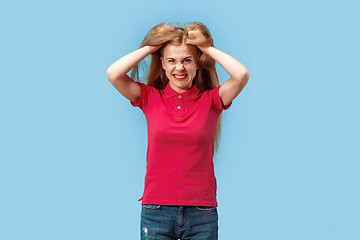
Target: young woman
182, 102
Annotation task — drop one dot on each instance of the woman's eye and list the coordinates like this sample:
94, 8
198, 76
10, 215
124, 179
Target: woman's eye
187, 60
170, 60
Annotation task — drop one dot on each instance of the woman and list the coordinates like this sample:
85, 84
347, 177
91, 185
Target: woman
182, 102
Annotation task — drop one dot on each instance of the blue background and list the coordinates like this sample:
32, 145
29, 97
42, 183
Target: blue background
73, 149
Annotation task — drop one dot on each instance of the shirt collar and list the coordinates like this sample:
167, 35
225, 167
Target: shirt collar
191, 93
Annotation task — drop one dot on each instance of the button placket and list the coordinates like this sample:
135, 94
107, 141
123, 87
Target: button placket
179, 110
179, 102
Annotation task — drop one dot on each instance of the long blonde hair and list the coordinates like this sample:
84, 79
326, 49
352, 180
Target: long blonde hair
206, 77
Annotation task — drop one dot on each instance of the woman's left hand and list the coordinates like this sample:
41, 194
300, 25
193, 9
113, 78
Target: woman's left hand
198, 39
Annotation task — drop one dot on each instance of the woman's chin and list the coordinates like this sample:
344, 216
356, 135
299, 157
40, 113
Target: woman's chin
183, 85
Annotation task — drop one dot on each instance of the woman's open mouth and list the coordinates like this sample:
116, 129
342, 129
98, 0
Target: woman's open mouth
180, 77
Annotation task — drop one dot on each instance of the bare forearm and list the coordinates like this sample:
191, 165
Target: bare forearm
232, 66
126, 63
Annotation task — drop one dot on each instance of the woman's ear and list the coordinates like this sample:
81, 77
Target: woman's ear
197, 62
162, 63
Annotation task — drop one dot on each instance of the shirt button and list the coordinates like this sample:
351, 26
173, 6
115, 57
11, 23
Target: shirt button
178, 107
179, 96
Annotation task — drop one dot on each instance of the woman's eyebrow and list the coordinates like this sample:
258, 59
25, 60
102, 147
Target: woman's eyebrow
183, 58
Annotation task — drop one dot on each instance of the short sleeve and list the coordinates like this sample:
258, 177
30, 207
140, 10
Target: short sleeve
145, 94
218, 104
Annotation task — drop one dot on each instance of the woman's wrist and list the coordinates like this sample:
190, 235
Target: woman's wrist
205, 49
152, 49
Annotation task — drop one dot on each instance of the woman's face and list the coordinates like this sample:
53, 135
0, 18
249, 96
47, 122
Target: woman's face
180, 65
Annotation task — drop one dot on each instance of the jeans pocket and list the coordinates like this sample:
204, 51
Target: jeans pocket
204, 208
151, 206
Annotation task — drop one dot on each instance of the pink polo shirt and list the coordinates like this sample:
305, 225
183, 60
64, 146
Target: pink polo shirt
181, 127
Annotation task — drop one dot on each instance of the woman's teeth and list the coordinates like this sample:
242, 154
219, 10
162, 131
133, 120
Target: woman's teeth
182, 76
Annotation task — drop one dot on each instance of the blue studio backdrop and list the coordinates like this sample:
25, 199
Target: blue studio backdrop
73, 149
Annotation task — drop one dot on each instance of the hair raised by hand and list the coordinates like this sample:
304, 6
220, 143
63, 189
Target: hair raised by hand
195, 34
158, 35
161, 28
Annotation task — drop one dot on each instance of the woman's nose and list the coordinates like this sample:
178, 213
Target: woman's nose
179, 66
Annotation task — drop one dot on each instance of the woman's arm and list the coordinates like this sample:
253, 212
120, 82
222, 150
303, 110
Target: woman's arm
239, 74
117, 72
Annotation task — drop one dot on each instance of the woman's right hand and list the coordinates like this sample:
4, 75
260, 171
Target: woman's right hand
117, 72
154, 48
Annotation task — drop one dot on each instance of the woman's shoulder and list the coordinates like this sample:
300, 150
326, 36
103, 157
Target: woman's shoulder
148, 88
213, 96
211, 91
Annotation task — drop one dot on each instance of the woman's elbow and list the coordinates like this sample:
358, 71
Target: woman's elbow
246, 76
243, 78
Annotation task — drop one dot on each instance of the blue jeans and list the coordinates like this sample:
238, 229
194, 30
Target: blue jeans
163, 222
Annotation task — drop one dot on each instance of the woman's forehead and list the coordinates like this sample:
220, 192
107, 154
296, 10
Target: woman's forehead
179, 51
